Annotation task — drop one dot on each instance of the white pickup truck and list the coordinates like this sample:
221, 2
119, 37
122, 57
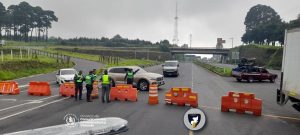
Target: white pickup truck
290, 75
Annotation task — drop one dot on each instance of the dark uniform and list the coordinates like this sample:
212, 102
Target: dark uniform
78, 79
89, 79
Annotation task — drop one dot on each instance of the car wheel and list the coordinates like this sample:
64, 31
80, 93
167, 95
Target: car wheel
143, 85
238, 79
250, 79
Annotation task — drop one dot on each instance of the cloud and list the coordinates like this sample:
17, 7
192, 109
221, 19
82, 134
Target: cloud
153, 20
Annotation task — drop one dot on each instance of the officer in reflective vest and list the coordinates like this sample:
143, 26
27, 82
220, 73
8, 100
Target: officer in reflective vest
89, 79
106, 81
130, 76
78, 79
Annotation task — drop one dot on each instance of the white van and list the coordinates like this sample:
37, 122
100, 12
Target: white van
171, 67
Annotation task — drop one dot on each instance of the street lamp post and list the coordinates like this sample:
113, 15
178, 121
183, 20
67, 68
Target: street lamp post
231, 42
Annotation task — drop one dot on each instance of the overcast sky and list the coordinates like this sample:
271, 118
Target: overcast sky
153, 20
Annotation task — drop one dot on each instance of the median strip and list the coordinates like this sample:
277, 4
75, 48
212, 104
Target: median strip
222, 71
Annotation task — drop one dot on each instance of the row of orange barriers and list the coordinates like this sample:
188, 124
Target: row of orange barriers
9, 88
241, 102
123, 92
182, 96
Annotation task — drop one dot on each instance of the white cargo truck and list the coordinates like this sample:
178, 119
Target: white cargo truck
290, 72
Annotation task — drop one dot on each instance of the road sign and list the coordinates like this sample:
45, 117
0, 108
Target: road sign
235, 55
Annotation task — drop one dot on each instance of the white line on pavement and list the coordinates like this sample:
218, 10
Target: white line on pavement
15, 114
23, 86
9, 99
192, 76
32, 102
14, 106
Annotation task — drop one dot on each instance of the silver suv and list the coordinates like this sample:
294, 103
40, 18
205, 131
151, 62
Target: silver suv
142, 78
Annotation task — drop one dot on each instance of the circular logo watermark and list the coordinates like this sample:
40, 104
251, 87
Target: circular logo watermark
70, 120
194, 119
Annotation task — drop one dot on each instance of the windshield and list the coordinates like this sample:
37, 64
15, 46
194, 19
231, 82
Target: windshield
140, 70
67, 72
171, 64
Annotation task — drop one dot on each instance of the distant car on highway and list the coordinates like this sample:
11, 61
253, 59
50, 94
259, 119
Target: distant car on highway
171, 68
142, 78
252, 74
65, 75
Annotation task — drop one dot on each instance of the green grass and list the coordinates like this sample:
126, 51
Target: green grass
22, 68
122, 62
18, 43
222, 71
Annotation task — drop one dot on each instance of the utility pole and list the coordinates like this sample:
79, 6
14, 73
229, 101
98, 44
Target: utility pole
231, 42
175, 38
190, 40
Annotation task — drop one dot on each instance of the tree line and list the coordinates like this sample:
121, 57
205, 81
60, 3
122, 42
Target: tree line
24, 22
265, 26
116, 41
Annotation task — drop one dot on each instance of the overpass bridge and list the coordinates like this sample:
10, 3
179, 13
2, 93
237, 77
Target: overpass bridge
196, 50
223, 52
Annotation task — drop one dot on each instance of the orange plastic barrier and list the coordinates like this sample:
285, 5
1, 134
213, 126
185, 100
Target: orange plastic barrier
9, 88
123, 92
95, 90
182, 96
241, 102
67, 89
153, 94
39, 89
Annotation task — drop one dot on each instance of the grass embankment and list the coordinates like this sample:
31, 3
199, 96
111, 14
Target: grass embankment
222, 71
121, 62
12, 69
267, 56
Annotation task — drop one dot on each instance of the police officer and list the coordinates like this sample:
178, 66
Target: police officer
89, 79
94, 73
78, 79
106, 81
130, 75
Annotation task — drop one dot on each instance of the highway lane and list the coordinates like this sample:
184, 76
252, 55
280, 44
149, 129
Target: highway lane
166, 119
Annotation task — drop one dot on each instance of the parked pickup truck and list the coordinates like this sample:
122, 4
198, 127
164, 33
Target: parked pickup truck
253, 73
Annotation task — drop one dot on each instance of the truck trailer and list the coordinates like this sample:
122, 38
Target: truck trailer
290, 72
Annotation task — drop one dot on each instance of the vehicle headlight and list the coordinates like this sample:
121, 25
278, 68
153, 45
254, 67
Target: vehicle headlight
153, 79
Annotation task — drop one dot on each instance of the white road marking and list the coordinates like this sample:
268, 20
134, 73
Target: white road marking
4, 109
32, 102
15, 114
9, 99
192, 76
190, 131
23, 86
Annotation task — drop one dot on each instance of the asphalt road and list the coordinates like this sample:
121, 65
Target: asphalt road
23, 112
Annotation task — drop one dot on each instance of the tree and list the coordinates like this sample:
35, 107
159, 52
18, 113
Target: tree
23, 18
263, 26
2, 18
260, 14
294, 23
